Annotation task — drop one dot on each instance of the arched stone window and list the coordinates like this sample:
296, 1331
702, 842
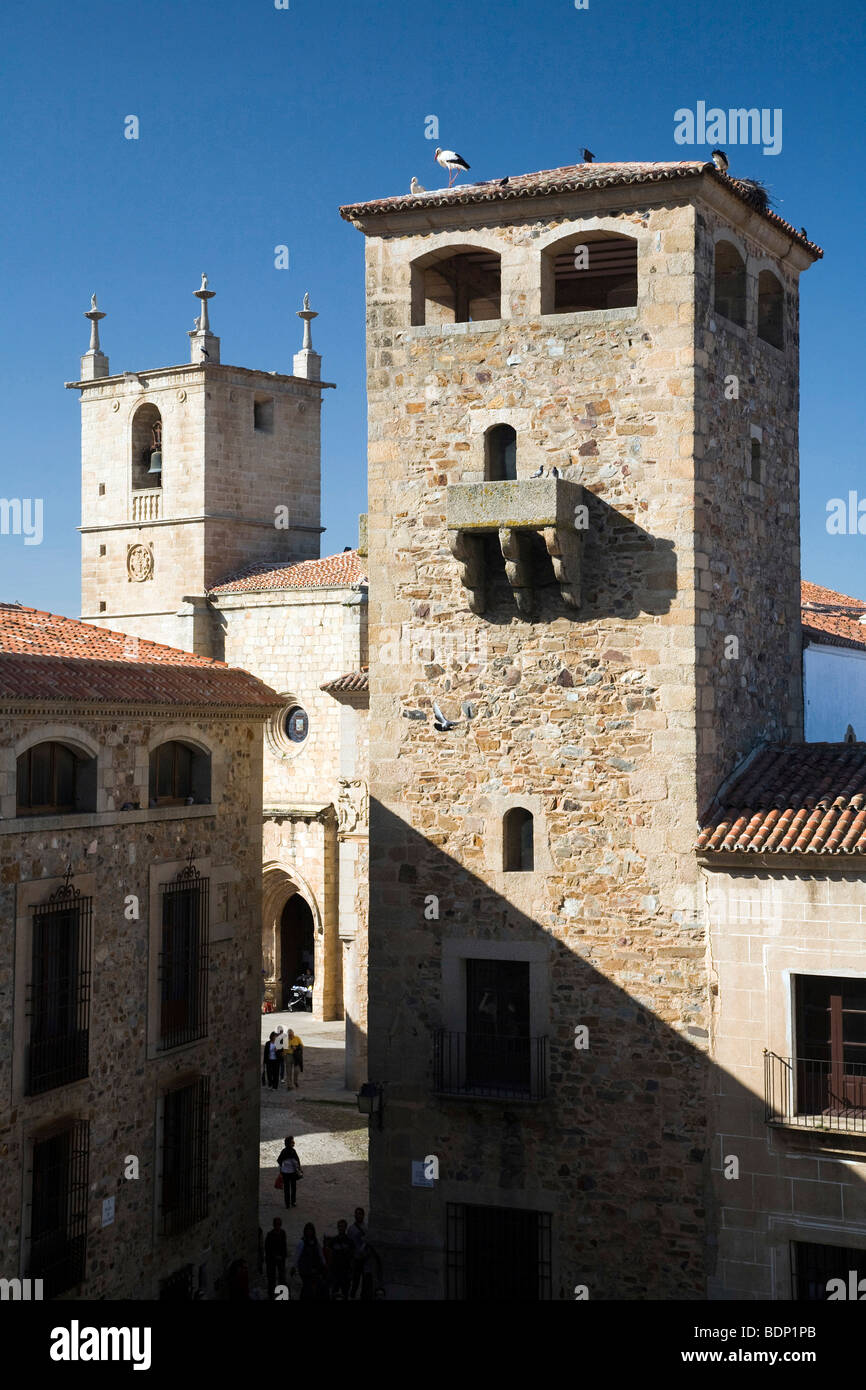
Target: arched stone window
589, 270
457, 284
54, 779
500, 454
518, 854
146, 448
729, 290
180, 774
771, 310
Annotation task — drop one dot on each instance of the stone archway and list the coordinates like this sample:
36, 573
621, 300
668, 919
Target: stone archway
280, 884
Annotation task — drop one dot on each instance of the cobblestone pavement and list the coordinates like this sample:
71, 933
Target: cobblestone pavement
330, 1135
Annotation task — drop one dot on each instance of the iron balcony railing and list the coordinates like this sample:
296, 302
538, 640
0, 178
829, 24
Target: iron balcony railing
489, 1065
809, 1094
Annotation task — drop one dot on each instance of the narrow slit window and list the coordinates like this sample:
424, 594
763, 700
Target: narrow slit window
500, 462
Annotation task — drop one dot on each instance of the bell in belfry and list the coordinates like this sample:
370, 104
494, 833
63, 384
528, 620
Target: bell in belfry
156, 451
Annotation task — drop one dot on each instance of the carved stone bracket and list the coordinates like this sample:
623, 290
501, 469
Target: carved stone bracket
468, 550
515, 547
564, 546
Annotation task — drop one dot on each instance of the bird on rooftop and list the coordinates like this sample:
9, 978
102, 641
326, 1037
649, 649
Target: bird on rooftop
416, 187
452, 162
588, 156
503, 182
803, 234
720, 159
204, 352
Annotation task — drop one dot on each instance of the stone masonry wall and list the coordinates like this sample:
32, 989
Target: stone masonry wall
117, 851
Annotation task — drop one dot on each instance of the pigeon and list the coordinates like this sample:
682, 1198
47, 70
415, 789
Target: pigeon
416, 187
204, 352
554, 472
720, 159
503, 182
803, 234
451, 161
539, 472
440, 723
588, 156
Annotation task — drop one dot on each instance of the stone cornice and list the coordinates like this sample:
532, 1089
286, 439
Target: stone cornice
104, 709
193, 371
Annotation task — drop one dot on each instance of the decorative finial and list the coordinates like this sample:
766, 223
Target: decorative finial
94, 315
204, 294
307, 314
203, 281
306, 301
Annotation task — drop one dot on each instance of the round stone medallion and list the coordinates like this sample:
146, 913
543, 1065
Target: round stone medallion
139, 562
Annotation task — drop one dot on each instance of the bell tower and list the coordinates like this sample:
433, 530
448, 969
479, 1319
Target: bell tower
190, 473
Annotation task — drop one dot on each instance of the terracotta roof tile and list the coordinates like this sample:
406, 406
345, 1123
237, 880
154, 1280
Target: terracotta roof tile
47, 657
806, 798
570, 178
355, 680
830, 618
334, 570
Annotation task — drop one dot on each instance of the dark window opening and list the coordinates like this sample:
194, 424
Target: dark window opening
497, 1254
179, 775
729, 296
813, 1266
517, 841
500, 454
831, 1047
58, 1214
53, 779
263, 414
755, 461
297, 724
59, 995
463, 287
185, 1117
589, 272
146, 448
771, 310
183, 960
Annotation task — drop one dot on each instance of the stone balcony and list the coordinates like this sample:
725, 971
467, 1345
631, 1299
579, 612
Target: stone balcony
146, 504
551, 507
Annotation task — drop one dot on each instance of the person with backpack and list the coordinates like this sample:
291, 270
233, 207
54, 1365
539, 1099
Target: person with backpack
310, 1265
290, 1170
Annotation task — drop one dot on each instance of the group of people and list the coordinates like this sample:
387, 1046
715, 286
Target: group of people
282, 1059
342, 1266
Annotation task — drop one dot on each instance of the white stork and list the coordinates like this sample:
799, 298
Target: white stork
452, 162
416, 187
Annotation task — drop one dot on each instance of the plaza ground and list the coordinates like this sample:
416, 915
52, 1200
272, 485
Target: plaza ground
330, 1135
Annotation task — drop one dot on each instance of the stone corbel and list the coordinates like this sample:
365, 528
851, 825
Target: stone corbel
468, 551
564, 545
515, 547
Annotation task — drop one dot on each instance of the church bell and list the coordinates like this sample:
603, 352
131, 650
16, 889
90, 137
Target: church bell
156, 450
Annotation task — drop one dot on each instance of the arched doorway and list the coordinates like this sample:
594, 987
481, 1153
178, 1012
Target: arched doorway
297, 943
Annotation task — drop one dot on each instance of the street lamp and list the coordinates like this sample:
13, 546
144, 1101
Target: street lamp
371, 1100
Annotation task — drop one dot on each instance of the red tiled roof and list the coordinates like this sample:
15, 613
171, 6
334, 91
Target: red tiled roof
334, 570
830, 618
46, 657
355, 680
806, 798
567, 179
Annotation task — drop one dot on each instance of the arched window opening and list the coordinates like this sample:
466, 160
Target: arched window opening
771, 310
500, 454
590, 270
146, 448
729, 296
517, 841
53, 779
179, 775
456, 287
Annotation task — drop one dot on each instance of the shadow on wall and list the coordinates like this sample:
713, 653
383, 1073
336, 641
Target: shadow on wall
602, 1153
625, 571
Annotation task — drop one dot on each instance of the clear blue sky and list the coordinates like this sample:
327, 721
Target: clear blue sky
257, 123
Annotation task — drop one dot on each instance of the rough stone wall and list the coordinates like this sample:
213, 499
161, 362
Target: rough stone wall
127, 1259
588, 719
748, 538
766, 926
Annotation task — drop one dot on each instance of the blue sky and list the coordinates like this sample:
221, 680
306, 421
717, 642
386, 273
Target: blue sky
257, 123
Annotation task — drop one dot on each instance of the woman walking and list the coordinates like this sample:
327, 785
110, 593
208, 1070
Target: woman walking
290, 1169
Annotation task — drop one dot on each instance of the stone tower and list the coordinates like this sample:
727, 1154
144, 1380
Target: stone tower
190, 473
583, 536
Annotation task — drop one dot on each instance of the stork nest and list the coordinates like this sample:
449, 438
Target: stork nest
754, 193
